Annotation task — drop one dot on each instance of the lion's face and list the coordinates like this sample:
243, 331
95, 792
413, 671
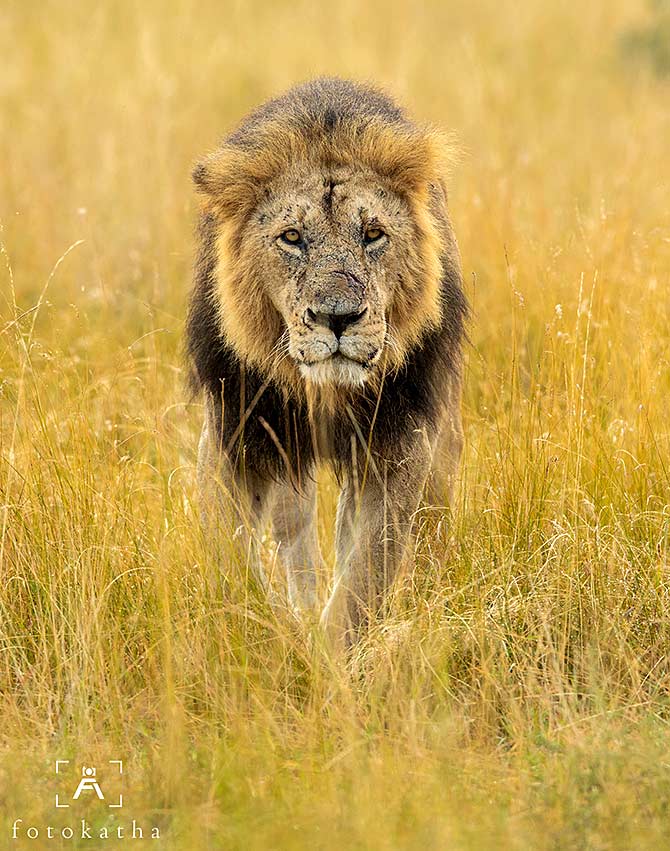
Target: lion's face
328, 247
329, 255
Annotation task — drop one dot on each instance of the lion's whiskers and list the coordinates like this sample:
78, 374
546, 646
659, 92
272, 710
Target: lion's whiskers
392, 342
279, 351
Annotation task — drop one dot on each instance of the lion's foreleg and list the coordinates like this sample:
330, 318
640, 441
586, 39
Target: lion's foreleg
374, 524
295, 531
233, 502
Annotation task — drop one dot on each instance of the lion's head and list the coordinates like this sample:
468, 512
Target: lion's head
331, 237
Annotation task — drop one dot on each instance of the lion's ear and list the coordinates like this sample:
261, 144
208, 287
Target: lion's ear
201, 177
211, 175
434, 158
227, 180
410, 159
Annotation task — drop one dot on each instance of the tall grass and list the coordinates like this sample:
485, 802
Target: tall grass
517, 697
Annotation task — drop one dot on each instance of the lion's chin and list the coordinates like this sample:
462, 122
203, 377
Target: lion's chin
337, 370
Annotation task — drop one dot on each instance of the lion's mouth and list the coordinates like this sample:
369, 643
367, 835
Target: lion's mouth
345, 360
337, 369
340, 357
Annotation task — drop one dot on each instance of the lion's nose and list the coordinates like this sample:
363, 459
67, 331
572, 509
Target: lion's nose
336, 322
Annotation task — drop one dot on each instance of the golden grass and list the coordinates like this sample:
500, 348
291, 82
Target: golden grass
518, 697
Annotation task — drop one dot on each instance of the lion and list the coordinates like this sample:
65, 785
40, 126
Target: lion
325, 326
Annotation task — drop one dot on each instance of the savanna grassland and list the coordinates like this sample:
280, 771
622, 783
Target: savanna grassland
518, 697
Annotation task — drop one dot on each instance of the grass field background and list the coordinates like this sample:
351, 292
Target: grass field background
518, 697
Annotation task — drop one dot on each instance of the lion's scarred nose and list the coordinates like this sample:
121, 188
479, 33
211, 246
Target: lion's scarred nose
335, 321
337, 292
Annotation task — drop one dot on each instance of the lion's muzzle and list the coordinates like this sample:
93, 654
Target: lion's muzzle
338, 333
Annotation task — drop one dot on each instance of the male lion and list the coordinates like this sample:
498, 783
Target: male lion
325, 325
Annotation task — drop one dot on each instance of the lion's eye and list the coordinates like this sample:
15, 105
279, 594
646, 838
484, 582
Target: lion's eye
372, 234
292, 236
